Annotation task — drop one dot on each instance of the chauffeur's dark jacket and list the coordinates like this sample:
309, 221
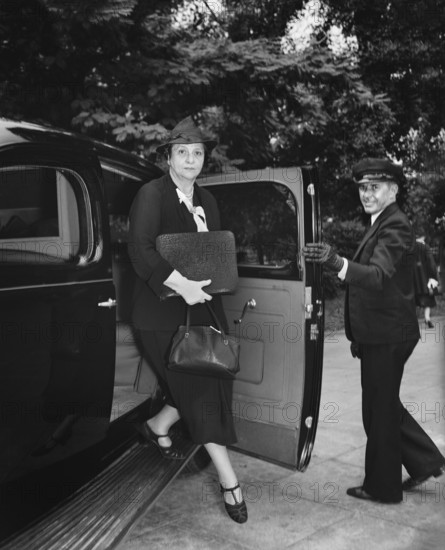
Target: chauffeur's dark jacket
380, 306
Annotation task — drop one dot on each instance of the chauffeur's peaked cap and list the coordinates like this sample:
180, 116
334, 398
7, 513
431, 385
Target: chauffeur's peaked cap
372, 169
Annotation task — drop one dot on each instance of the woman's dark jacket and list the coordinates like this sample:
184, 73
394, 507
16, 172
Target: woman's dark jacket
425, 268
156, 210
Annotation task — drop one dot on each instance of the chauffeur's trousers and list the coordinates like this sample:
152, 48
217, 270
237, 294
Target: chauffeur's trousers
394, 437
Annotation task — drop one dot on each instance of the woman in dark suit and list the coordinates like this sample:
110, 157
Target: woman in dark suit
175, 204
425, 279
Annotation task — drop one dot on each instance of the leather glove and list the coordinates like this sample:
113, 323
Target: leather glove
323, 253
355, 350
191, 291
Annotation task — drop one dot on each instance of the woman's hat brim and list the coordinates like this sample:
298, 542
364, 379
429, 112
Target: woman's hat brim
186, 132
209, 143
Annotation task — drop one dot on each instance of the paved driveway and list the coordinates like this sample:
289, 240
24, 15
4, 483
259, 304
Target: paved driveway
310, 510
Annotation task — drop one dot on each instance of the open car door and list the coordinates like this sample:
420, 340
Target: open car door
277, 309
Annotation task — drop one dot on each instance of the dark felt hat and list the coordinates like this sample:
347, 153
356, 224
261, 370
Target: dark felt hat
377, 169
186, 131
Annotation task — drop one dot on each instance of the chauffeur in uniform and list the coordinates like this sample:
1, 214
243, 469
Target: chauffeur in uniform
381, 323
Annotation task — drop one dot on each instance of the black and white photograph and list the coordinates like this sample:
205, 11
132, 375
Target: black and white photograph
222, 262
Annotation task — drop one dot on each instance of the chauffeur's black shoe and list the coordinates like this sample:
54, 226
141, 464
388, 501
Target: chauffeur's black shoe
359, 492
411, 483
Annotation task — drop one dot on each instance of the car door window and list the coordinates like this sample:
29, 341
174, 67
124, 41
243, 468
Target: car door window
39, 216
264, 220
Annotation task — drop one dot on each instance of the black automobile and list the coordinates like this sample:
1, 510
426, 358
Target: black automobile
72, 380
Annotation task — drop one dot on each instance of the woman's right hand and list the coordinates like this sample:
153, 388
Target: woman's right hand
191, 291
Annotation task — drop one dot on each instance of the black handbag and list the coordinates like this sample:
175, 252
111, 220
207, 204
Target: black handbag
204, 350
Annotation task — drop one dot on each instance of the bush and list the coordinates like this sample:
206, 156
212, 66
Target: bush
345, 236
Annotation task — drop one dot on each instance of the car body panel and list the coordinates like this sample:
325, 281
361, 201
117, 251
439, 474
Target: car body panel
274, 406
57, 341
75, 377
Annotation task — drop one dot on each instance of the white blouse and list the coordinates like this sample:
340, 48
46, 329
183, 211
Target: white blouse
197, 211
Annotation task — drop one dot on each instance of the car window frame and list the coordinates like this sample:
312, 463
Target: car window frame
86, 253
292, 269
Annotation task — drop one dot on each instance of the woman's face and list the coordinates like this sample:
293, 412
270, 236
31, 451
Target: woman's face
186, 160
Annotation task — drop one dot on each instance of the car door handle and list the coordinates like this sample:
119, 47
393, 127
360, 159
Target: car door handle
311, 192
251, 304
109, 303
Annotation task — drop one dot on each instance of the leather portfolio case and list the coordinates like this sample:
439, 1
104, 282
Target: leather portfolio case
199, 256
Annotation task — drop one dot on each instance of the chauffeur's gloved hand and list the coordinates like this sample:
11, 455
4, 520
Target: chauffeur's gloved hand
323, 253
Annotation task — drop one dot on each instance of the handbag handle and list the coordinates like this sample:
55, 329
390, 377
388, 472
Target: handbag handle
215, 318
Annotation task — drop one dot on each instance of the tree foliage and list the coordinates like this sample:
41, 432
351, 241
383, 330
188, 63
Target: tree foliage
120, 70
127, 71
400, 53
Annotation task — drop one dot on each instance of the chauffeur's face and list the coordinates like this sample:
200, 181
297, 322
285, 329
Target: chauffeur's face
376, 196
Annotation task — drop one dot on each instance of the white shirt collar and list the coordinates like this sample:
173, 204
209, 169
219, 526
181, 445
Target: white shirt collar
375, 216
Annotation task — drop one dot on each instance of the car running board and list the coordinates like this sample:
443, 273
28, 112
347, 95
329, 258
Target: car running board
99, 514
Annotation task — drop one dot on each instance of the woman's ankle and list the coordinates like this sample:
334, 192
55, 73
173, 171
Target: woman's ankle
161, 431
232, 493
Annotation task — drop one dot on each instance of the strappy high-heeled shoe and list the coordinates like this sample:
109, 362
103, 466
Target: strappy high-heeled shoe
237, 511
148, 434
